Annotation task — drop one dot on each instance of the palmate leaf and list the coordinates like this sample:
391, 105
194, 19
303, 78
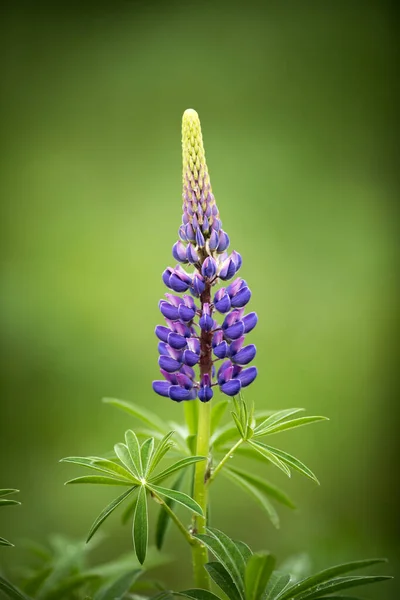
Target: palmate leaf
104, 466
8, 492
165, 444
326, 575
119, 587
259, 496
108, 510
263, 450
228, 554
164, 518
179, 497
132, 443
141, 526
276, 585
11, 591
244, 550
181, 464
147, 417
122, 452
291, 461
263, 486
258, 572
98, 479
294, 423
277, 417
224, 581
8, 502
112, 467
146, 453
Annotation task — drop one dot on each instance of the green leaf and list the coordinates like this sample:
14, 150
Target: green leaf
244, 550
259, 496
119, 587
228, 554
339, 583
134, 450
122, 452
100, 480
141, 526
239, 425
277, 417
179, 497
258, 572
277, 583
221, 577
96, 464
191, 442
162, 448
68, 585
4, 542
327, 574
263, 486
197, 594
294, 423
263, 450
181, 464
11, 591
8, 491
107, 511
113, 467
292, 461
146, 452
129, 511
163, 516
217, 412
147, 417
7, 502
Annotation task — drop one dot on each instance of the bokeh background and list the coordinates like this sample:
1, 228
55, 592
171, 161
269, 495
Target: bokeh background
297, 104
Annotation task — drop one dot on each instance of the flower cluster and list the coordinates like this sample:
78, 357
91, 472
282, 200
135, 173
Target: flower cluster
192, 336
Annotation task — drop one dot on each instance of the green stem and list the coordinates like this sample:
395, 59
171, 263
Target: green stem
191, 416
199, 552
224, 460
191, 540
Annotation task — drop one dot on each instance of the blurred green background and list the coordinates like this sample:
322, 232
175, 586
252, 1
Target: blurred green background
297, 108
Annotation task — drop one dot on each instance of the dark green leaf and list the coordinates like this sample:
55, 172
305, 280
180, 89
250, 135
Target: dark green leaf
146, 452
221, 577
277, 583
243, 549
226, 551
107, 511
134, 450
263, 486
100, 480
239, 425
256, 494
119, 587
147, 417
197, 594
277, 417
217, 412
129, 511
179, 497
4, 542
327, 574
181, 464
141, 526
292, 461
7, 502
337, 584
289, 425
163, 516
11, 591
258, 572
8, 491
162, 448
263, 450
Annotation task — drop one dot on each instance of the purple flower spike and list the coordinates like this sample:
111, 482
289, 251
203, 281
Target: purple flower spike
209, 267
161, 388
190, 330
231, 388
250, 321
247, 376
245, 355
169, 364
179, 252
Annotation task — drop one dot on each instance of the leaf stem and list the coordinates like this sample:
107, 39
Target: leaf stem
225, 459
189, 538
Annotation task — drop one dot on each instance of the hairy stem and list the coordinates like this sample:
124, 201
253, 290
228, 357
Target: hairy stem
227, 456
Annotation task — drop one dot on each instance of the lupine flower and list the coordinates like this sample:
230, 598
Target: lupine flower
192, 337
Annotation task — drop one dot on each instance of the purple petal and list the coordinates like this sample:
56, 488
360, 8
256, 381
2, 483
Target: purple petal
231, 388
169, 311
223, 305
182, 234
198, 285
200, 241
213, 241
169, 364
206, 323
184, 381
174, 300
190, 358
192, 255
162, 332
162, 387
178, 393
250, 321
217, 338
237, 259
185, 313
241, 298
209, 267
221, 351
236, 346
166, 276
179, 252
177, 341
189, 233
234, 287
205, 394
225, 372
177, 284
245, 355
187, 371
163, 349
247, 376
235, 331
223, 242
194, 345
